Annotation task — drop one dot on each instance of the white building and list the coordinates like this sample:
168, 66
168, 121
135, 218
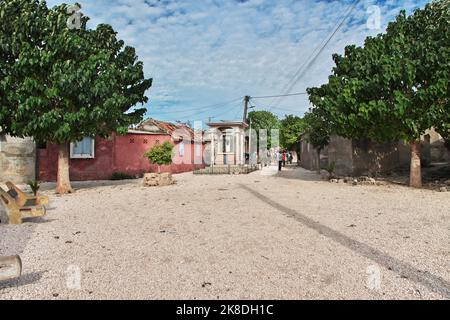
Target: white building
228, 143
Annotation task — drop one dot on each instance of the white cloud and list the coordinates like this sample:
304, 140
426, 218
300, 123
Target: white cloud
201, 52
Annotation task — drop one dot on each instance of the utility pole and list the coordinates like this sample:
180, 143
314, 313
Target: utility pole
246, 102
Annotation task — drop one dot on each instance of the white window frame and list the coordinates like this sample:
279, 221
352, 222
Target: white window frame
83, 156
181, 149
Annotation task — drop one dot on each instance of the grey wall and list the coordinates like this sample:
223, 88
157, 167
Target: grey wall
17, 159
308, 155
340, 151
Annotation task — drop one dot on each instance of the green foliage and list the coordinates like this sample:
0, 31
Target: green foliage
264, 120
60, 85
291, 127
160, 154
317, 128
397, 85
121, 176
34, 186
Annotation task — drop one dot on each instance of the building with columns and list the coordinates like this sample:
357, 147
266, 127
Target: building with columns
228, 143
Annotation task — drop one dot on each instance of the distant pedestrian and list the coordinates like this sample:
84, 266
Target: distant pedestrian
284, 158
279, 159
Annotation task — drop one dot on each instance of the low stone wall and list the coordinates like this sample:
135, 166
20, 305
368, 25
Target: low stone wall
158, 179
359, 157
227, 170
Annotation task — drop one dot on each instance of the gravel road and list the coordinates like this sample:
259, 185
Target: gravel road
256, 236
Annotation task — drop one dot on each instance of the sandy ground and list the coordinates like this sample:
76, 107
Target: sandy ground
235, 237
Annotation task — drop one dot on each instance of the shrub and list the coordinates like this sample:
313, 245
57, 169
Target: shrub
331, 169
121, 176
160, 154
34, 186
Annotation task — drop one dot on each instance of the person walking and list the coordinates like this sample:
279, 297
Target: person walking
279, 159
284, 158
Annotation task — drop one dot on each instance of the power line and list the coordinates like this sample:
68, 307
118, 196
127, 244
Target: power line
305, 66
222, 113
175, 118
208, 110
279, 109
281, 95
200, 108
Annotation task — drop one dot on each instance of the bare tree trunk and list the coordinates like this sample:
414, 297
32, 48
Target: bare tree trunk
318, 161
415, 175
63, 179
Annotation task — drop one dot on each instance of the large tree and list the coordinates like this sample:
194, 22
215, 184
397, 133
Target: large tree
318, 131
59, 84
394, 87
264, 120
291, 127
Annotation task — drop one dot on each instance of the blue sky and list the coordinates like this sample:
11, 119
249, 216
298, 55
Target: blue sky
213, 52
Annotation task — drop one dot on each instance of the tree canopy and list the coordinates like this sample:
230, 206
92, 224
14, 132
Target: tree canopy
291, 127
317, 129
394, 87
60, 84
264, 120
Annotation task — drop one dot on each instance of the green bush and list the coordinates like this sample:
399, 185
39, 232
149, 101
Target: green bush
34, 186
121, 176
160, 154
331, 169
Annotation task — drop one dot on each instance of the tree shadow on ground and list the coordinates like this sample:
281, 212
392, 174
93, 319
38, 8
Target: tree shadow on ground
84, 185
298, 173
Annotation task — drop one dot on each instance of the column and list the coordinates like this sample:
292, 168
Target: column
212, 149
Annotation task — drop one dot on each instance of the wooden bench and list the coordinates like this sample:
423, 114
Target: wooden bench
16, 210
23, 198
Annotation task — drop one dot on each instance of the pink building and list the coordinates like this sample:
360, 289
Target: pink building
98, 159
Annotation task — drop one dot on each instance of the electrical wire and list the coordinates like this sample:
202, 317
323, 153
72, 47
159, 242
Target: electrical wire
281, 95
202, 108
305, 66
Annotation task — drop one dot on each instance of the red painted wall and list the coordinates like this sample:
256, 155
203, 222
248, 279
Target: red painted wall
124, 154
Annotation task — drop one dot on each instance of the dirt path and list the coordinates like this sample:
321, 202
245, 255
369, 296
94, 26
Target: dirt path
243, 237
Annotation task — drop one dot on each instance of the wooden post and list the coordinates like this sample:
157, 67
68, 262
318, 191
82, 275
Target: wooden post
10, 267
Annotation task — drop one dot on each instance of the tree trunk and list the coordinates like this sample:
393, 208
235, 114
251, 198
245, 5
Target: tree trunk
447, 144
63, 180
318, 161
415, 175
